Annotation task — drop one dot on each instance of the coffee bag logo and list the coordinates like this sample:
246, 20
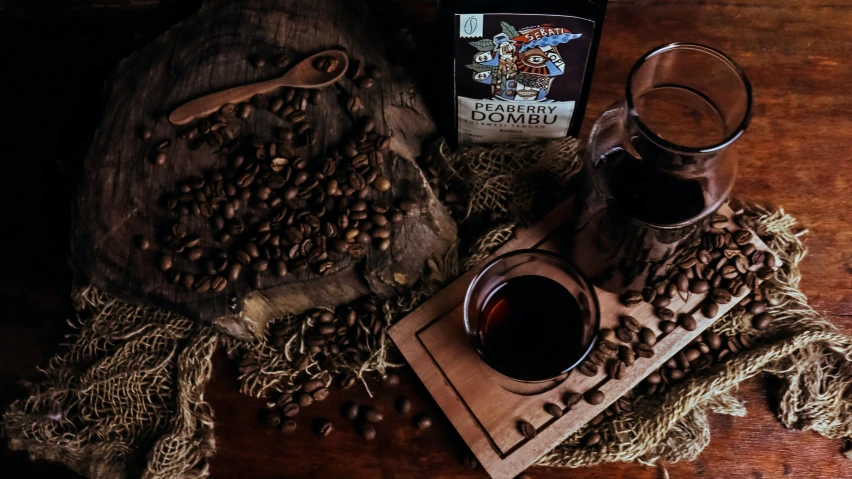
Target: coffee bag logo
520, 65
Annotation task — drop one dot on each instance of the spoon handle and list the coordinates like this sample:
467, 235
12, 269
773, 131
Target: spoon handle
209, 104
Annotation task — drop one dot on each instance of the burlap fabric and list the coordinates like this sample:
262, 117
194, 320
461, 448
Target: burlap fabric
126, 398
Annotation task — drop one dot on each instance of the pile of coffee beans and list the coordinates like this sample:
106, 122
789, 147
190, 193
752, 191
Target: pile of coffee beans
721, 264
347, 335
271, 211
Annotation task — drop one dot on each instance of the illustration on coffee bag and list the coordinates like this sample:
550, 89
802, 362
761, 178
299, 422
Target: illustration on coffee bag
521, 64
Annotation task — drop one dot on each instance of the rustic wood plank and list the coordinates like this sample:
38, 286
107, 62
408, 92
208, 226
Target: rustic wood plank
209, 52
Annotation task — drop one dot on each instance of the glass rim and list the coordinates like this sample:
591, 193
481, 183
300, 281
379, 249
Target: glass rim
674, 147
567, 265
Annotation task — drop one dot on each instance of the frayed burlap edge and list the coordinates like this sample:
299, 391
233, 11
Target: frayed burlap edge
803, 350
126, 397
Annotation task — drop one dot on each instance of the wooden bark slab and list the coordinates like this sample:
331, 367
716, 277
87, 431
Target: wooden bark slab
119, 194
480, 405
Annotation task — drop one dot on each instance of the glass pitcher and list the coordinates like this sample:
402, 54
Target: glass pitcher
659, 163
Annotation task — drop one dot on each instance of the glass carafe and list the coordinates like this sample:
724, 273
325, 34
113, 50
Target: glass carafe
659, 163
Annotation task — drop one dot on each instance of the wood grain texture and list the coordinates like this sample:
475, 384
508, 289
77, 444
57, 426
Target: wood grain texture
483, 411
209, 52
795, 154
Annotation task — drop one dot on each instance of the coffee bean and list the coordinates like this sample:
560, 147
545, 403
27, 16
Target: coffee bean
368, 431
193, 254
654, 378
709, 309
713, 340
631, 298
687, 322
662, 301
761, 321
630, 323
699, 286
424, 422
671, 290
290, 409
742, 237
218, 284
615, 369
591, 439
304, 400
350, 410
553, 410
594, 397
325, 428
664, 313
756, 307
273, 418
403, 405
718, 221
644, 351
765, 273
758, 257
320, 394
141, 242
729, 271
647, 336
187, 280
373, 415
353, 104
588, 368
626, 355
165, 262
260, 265
526, 429
681, 282
625, 334
770, 261
667, 326
703, 256
381, 183
288, 425
648, 294
364, 82
244, 110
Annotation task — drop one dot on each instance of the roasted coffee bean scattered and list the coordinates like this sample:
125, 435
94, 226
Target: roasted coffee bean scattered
372, 415
350, 410
571, 399
594, 397
403, 405
667, 326
325, 428
631, 298
648, 336
424, 422
526, 429
553, 410
368, 431
687, 322
591, 439
288, 425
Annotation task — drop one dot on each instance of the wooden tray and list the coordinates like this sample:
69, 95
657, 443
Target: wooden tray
433, 341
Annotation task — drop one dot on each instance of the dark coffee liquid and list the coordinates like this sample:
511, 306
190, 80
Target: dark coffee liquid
532, 328
650, 195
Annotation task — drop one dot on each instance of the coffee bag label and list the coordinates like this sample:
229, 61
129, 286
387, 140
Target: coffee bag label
518, 76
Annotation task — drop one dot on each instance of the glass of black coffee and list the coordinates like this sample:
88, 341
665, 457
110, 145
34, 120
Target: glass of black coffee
531, 316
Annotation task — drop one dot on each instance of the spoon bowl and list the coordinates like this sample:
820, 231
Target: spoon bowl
302, 75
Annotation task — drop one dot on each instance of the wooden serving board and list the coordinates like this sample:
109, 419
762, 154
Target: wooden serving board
433, 341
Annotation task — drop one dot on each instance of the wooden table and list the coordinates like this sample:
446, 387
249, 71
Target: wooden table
797, 153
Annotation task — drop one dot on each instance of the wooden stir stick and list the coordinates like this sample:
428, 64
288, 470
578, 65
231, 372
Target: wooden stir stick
303, 75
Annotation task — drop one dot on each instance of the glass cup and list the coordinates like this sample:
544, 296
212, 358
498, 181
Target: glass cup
659, 163
532, 317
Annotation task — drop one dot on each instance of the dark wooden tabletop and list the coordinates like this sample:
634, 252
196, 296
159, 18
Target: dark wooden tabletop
796, 154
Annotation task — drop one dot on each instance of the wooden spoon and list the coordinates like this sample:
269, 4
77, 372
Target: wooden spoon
303, 75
